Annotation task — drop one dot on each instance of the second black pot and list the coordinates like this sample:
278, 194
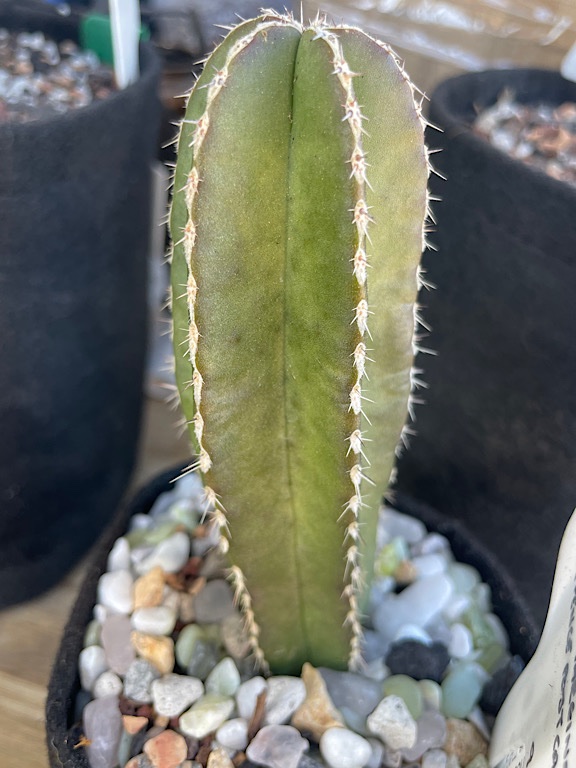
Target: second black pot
496, 441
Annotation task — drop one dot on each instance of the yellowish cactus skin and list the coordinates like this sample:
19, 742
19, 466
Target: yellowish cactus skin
297, 227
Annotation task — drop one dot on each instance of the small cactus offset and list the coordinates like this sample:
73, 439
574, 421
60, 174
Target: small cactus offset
297, 227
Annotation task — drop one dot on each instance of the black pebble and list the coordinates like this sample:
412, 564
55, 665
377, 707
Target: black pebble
418, 660
496, 689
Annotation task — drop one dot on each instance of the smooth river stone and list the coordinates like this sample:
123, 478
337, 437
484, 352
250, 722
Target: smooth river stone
149, 589
157, 620
285, 695
430, 734
408, 690
115, 636
354, 692
102, 724
108, 684
119, 557
206, 715
171, 554
159, 651
234, 636
392, 722
462, 689
233, 734
218, 758
342, 748
393, 524
214, 603
167, 750
116, 591
172, 694
224, 679
317, 713
434, 758
277, 746
418, 604
464, 741
247, 696
138, 681
91, 664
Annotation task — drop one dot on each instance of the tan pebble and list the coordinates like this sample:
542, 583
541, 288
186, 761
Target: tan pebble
134, 724
149, 589
161, 721
317, 713
167, 750
464, 740
405, 573
197, 586
219, 759
186, 612
159, 651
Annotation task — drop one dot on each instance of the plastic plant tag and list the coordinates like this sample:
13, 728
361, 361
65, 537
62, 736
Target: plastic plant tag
536, 726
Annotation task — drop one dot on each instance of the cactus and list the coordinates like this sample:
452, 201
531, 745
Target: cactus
297, 227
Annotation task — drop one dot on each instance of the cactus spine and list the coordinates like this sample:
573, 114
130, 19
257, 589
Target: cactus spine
297, 220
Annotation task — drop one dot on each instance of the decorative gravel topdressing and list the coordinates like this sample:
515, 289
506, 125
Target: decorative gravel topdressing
168, 683
540, 135
41, 78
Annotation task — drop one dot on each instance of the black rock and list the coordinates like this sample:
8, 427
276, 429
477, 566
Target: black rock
418, 660
498, 687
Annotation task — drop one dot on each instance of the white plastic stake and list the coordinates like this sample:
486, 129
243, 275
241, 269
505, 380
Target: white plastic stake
125, 21
568, 67
536, 726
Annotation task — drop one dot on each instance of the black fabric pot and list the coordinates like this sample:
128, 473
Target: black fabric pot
496, 441
64, 685
74, 221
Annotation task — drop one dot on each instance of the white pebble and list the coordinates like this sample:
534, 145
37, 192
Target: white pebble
100, 613
159, 620
392, 722
461, 642
434, 758
119, 557
456, 607
428, 565
224, 678
285, 694
115, 591
412, 632
206, 715
433, 543
108, 684
247, 695
172, 694
233, 734
92, 663
342, 748
170, 554
395, 524
140, 522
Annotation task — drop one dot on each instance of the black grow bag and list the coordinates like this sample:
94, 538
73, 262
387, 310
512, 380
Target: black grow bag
64, 685
74, 223
496, 441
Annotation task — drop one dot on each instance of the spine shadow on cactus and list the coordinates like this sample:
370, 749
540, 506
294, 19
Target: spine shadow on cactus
300, 194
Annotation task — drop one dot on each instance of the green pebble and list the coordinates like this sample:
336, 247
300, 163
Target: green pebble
92, 634
461, 690
431, 694
482, 633
224, 679
482, 597
490, 657
186, 642
152, 536
181, 512
480, 761
391, 555
465, 577
408, 690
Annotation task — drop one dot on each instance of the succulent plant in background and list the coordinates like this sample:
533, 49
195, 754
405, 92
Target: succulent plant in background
297, 227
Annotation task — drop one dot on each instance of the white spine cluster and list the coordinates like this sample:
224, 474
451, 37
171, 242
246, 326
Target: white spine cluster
361, 219
243, 600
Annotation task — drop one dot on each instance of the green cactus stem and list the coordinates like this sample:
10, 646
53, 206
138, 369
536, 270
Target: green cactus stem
297, 221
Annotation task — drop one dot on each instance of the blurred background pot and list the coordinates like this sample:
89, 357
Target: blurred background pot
496, 440
74, 206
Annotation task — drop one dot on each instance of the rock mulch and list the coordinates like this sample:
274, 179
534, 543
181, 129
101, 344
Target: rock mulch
168, 683
540, 135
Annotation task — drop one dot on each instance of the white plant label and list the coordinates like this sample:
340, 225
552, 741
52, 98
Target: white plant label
536, 726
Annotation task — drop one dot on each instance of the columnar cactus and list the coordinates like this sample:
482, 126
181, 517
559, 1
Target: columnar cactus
297, 227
